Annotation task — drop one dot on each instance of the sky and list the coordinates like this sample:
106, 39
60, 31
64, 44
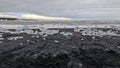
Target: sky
76, 9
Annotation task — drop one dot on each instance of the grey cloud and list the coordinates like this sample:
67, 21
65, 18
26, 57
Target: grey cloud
65, 8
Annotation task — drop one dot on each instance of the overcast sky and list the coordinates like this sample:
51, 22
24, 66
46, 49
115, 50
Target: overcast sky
65, 8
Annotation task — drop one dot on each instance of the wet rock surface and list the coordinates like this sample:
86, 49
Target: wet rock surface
60, 48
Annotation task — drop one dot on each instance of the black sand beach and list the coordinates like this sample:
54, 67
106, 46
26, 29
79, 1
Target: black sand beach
60, 48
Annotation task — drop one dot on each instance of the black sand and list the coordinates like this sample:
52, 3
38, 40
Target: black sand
59, 51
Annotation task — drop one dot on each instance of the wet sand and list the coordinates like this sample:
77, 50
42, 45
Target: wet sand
60, 48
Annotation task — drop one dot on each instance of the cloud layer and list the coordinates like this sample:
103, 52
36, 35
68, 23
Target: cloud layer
65, 8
